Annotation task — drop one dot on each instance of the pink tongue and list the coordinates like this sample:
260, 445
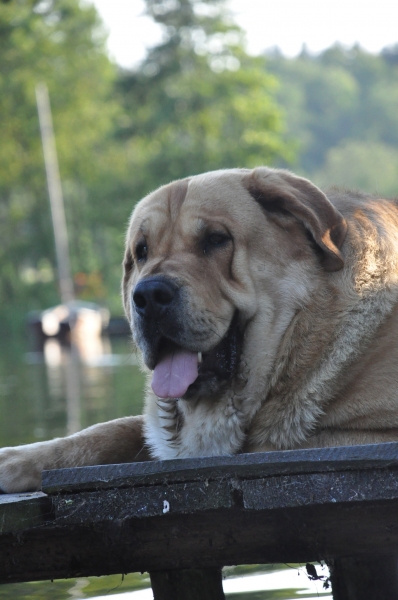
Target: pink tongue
174, 374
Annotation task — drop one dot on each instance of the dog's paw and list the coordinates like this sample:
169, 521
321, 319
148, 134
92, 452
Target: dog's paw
20, 469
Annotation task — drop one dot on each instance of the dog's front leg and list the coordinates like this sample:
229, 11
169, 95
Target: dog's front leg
116, 441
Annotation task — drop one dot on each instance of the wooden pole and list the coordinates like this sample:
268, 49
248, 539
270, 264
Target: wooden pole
187, 584
364, 577
55, 194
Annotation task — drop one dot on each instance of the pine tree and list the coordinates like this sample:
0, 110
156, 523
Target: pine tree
198, 102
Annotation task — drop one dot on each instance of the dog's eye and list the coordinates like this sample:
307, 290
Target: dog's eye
141, 251
213, 240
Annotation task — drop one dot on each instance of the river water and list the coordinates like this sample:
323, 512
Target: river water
58, 391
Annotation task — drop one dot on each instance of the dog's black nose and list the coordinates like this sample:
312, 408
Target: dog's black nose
152, 296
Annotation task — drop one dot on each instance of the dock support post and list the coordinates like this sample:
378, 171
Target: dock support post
187, 584
364, 578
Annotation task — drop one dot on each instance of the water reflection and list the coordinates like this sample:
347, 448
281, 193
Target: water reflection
62, 366
73, 367
65, 388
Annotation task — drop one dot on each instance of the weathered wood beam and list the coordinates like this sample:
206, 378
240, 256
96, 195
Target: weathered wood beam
247, 466
19, 512
204, 514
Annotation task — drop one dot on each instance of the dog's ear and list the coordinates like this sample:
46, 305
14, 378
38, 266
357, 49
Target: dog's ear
279, 190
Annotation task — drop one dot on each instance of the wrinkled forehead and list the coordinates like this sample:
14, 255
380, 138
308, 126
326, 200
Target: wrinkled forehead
219, 195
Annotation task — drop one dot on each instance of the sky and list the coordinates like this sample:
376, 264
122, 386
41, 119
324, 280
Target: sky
287, 24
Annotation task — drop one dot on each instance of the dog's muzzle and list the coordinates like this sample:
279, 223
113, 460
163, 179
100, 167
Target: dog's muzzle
180, 365
153, 297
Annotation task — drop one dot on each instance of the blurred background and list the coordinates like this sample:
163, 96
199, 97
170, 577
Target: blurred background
143, 92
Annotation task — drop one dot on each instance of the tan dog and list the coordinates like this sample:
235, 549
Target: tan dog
268, 315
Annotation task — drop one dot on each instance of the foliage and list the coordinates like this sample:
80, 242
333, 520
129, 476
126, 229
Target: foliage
197, 102
58, 42
341, 107
371, 166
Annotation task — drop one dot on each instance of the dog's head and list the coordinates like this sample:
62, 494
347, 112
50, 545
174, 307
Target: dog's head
211, 257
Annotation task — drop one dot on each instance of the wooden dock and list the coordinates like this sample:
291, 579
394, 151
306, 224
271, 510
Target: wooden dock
183, 520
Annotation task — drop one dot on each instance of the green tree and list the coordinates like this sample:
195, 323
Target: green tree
198, 101
356, 164
319, 104
341, 107
61, 43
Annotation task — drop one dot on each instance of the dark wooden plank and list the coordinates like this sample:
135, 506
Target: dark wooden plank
350, 487
200, 514
21, 511
141, 503
192, 541
296, 518
212, 468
